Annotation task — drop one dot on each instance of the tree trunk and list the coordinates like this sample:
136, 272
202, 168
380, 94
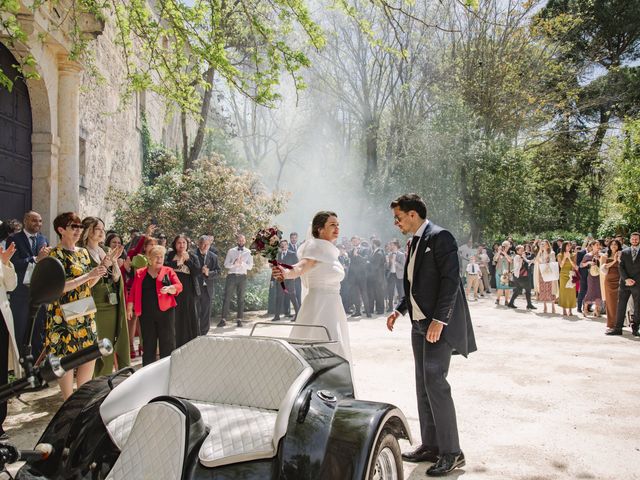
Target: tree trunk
470, 203
371, 145
595, 189
196, 148
185, 140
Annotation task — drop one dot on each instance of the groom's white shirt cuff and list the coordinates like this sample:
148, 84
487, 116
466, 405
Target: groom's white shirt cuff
434, 319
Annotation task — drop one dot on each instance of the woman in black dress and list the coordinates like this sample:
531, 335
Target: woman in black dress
187, 267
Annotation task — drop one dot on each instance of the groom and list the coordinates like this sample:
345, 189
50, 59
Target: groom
435, 300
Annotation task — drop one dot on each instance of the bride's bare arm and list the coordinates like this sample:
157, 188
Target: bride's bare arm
303, 266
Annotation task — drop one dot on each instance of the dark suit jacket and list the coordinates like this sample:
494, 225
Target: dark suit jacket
358, 258
290, 258
438, 290
24, 255
377, 263
210, 260
628, 268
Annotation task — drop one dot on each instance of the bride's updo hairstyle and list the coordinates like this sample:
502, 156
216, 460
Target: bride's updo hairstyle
319, 221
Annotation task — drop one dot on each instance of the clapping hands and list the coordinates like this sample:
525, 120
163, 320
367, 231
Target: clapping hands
97, 272
5, 255
44, 252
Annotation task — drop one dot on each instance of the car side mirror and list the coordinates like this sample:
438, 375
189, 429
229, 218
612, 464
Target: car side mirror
47, 281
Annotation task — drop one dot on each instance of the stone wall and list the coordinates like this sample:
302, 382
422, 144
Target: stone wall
110, 130
86, 139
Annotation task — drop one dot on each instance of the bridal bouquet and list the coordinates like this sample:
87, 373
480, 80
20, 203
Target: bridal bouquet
267, 244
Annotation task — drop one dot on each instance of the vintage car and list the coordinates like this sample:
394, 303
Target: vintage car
225, 407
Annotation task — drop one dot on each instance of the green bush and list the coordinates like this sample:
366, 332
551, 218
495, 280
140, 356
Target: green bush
256, 297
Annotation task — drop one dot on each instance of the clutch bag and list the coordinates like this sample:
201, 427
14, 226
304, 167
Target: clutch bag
78, 308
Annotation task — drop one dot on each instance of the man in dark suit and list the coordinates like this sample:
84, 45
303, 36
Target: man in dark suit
358, 258
441, 324
629, 287
376, 277
282, 306
395, 275
31, 247
210, 269
293, 248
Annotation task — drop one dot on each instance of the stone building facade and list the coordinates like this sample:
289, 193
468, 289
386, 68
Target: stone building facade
68, 137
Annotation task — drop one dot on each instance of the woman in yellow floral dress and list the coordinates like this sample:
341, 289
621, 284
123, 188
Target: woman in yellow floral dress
65, 337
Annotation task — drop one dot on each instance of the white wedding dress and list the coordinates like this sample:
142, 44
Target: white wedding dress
322, 304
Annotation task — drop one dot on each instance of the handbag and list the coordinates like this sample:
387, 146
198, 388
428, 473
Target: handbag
570, 283
78, 308
506, 277
550, 271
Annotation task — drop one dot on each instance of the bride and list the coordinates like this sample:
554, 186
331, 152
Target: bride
321, 274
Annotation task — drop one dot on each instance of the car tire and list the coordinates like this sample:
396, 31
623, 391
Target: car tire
386, 461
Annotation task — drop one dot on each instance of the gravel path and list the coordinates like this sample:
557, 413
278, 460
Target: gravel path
544, 398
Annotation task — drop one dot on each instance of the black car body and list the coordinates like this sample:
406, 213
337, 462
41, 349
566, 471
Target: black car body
321, 431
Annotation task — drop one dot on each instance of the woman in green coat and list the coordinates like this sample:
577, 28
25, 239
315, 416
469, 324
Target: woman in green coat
108, 294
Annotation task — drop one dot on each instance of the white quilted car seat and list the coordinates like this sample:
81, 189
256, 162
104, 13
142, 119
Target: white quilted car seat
244, 387
157, 450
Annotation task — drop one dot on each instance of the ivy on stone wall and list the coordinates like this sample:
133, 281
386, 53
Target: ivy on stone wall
12, 33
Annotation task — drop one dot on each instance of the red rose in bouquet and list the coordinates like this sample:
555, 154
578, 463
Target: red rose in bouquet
267, 244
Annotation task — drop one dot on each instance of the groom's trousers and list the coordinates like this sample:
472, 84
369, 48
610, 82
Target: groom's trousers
436, 411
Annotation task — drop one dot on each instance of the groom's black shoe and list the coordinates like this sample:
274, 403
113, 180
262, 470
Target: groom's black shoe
421, 454
446, 463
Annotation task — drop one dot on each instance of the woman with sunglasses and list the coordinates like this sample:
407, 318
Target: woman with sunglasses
65, 337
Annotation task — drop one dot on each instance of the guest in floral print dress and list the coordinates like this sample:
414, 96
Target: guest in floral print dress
66, 337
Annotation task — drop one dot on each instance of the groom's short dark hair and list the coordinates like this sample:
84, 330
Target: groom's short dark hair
411, 201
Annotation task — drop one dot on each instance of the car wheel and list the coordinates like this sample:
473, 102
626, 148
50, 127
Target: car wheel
386, 462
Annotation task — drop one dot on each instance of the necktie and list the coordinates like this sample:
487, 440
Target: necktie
634, 253
33, 245
414, 242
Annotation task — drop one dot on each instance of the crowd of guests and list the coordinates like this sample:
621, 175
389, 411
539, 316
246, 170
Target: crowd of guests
142, 287
596, 276
373, 279
163, 293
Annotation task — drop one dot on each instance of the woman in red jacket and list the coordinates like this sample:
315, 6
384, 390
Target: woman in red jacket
152, 299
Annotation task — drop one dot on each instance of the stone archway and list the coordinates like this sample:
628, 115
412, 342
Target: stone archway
15, 142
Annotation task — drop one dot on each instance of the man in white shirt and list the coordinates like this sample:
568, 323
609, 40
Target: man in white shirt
473, 278
237, 262
465, 251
